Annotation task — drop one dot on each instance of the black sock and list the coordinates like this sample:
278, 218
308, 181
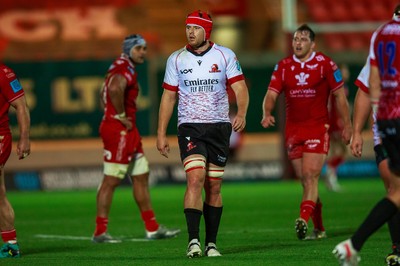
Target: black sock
394, 229
380, 214
212, 218
193, 217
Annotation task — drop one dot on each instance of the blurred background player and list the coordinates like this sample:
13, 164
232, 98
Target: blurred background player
11, 94
337, 149
204, 126
384, 88
362, 110
123, 151
306, 133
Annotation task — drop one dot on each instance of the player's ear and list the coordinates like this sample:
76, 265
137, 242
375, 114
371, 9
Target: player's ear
312, 45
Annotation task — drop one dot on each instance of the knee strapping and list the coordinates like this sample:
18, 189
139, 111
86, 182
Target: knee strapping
194, 163
215, 172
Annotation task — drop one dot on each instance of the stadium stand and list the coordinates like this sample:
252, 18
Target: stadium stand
342, 11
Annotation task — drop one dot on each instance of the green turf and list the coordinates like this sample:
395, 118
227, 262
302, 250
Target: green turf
257, 226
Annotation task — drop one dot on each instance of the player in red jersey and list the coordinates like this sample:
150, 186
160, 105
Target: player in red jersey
337, 149
307, 78
384, 85
11, 94
123, 151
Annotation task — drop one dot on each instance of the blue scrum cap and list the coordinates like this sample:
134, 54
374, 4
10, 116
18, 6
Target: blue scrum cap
132, 41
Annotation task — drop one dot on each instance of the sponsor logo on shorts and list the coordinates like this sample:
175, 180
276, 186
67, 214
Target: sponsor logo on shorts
190, 146
312, 143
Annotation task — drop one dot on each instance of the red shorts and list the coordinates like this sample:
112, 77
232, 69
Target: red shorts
5, 147
306, 139
336, 124
119, 144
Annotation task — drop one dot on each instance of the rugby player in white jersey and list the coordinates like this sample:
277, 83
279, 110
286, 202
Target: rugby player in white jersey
362, 110
384, 91
198, 75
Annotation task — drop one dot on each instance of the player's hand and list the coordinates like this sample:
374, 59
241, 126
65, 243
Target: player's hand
346, 134
127, 123
356, 145
239, 123
163, 146
268, 121
23, 148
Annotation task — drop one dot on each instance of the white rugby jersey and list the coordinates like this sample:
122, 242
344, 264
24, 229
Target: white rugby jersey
201, 81
363, 83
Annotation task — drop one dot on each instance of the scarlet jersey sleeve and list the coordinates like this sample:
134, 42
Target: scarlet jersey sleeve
277, 78
333, 75
11, 88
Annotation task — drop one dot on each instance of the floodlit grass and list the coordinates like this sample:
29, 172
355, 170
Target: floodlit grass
257, 228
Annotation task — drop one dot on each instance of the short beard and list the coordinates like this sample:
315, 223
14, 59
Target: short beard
200, 45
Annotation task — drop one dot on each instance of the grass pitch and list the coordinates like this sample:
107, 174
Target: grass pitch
257, 227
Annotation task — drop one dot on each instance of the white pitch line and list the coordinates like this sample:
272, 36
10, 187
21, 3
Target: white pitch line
66, 237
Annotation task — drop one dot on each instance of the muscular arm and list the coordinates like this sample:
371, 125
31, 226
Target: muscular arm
24, 121
362, 109
268, 105
242, 101
167, 104
116, 91
342, 107
374, 85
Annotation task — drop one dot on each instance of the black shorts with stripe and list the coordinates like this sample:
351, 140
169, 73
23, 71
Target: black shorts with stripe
208, 139
389, 131
380, 154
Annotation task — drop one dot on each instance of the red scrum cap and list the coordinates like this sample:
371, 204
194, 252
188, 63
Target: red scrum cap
201, 19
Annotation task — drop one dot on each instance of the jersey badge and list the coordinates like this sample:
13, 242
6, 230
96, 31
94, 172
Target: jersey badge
190, 146
199, 62
214, 69
338, 75
312, 67
15, 85
238, 67
302, 78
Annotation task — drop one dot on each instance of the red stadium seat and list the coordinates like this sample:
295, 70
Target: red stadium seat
335, 41
358, 10
339, 12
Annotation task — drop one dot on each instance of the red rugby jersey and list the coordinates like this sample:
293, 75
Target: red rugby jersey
124, 67
307, 86
10, 89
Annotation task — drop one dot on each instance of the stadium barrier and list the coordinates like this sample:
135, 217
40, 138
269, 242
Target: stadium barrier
77, 164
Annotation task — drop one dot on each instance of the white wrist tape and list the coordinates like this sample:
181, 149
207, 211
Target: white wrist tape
120, 116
